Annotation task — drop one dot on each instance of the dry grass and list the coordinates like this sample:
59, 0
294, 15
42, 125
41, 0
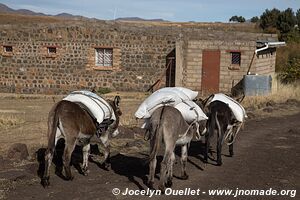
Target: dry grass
9, 121
281, 93
8, 18
15, 19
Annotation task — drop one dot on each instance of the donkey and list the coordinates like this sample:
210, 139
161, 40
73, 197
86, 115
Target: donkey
167, 124
221, 119
70, 121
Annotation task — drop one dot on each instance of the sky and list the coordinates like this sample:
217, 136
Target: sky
171, 10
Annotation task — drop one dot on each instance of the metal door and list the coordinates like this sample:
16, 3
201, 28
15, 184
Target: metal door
210, 71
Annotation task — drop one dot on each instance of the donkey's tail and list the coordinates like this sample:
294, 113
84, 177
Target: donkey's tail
53, 120
156, 137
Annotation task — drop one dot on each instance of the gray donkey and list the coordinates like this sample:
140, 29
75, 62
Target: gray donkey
70, 121
168, 126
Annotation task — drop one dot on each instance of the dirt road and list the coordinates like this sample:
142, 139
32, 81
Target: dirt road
266, 156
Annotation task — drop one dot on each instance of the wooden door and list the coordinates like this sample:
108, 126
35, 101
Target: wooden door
171, 69
210, 71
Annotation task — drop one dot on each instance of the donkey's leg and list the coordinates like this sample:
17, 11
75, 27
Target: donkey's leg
184, 156
219, 150
170, 171
231, 146
164, 168
152, 166
221, 132
209, 134
236, 131
86, 152
105, 141
231, 150
48, 160
207, 145
69, 147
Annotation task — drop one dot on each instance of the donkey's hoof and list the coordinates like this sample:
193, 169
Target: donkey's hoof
185, 177
169, 183
150, 185
45, 182
162, 189
70, 178
85, 173
219, 163
106, 166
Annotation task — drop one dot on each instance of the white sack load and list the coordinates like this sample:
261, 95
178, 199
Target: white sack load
183, 93
97, 105
236, 108
166, 96
191, 111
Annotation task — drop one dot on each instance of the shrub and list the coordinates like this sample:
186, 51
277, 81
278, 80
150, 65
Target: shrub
103, 90
291, 72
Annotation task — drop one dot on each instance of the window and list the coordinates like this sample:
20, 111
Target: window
236, 58
8, 49
104, 57
51, 50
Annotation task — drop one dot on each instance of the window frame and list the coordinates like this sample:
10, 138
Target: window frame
4, 51
238, 58
235, 66
51, 48
50, 54
7, 46
104, 64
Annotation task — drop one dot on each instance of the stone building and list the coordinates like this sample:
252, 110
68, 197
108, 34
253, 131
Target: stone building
54, 58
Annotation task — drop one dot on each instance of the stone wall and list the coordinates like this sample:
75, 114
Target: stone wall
139, 58
139, 55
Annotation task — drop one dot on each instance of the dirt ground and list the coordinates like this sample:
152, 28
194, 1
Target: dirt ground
266, 156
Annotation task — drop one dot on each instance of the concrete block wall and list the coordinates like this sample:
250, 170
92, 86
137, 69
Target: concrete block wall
265, 63
229, 75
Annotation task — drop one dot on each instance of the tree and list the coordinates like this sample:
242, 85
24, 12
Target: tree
234, 18
237, 19
254, 19
268, 19
241, 19
298, 17
286, 21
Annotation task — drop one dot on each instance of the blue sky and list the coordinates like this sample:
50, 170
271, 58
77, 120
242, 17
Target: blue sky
172, 10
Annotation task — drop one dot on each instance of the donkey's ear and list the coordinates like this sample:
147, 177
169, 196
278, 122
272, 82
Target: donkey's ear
117, 101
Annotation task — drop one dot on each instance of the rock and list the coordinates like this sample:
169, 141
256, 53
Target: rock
293, 131
268, 109
293, 102
259, 106
18, 151
251, 109
270, 103
250, 115
32, 168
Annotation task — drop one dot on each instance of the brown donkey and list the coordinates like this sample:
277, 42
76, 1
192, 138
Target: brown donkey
68, 120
